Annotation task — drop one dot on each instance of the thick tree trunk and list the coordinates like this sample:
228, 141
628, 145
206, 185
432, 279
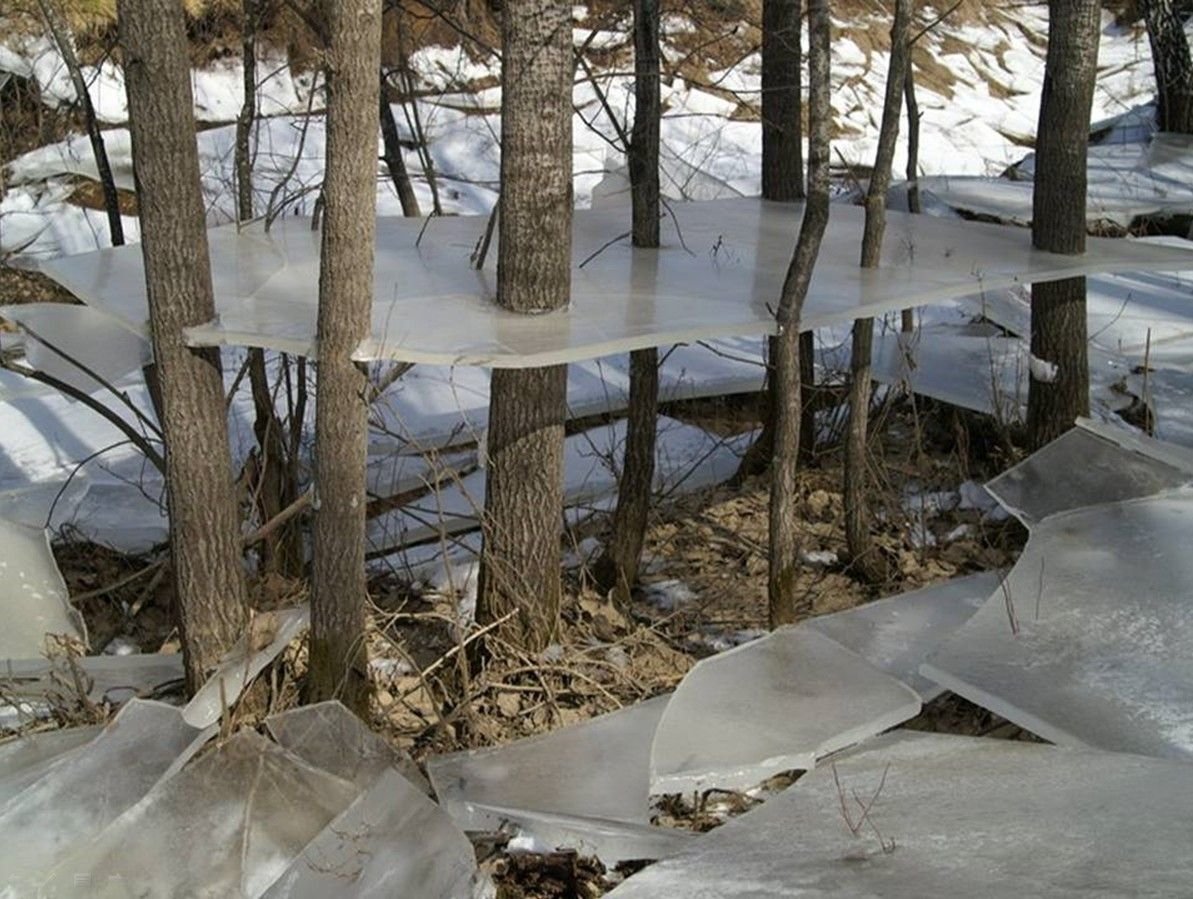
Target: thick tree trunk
524, 496
62, 36
204, 525
393, 159
617, 570
1173, 66
1058, 389
866, 561
784, 605
782, 181
338, 588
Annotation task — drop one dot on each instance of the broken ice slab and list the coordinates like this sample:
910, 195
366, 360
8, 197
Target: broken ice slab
85, 791
330, 737
392, 841
585, 786
25, 758
227, 825
985, 374
950, 816
776, 704
100, 345
1089, 465
33, 597
896, 634
1090, 639
106, 678
268, 635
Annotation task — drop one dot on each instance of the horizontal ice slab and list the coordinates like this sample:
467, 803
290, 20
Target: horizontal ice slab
1091, 639
86, 790
1091, 464
965, 817
720, 269
106, 678
227, 825
586, 786
773, 705
33, 596
896, 634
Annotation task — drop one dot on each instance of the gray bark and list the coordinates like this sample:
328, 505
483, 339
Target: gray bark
1173, 66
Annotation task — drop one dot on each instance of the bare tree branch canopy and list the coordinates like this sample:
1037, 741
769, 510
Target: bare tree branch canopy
204, 524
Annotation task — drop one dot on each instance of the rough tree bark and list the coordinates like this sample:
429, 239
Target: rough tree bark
1058, 388
524, 496
866, 561
338, 589
782, 181
1172, 63
784, 605
907, 318
205, 537
249, 15
617, 569
60, 32
393, 158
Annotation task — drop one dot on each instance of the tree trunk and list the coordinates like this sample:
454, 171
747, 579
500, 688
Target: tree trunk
338, 588
248, 111
617, 570
1173, 66
782, 181
204, 525
1058, 388
524, 495
866, 561
62, 36
784, 605
907, 319
393, 159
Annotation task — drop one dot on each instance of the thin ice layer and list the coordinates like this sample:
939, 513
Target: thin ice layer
959, 816
33, 597
26, 758
104, 678
267, 637
896, 634
1087, 466
87, 790
391, 842
228, 825
777, 704
328, 736
721, 266
1091, 641
584, 786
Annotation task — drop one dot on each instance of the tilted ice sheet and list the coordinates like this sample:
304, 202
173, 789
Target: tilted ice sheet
718, 274
1090, 465
87, 790
961, 816
1090, 641
391, 842
777, 704
586, 786
227, 825
330, 737
24, 759
896, 634
265, 639
33, 597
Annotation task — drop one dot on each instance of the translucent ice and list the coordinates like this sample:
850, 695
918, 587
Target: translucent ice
33, 595
773, 705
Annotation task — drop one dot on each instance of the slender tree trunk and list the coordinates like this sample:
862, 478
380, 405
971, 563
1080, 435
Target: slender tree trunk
338, 588
1058, 388
1172, 63
617, 570
782, 181
393, 159
867, 562
524, 496
913, 163
204, 525
248, 110
61, 33
784, 605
